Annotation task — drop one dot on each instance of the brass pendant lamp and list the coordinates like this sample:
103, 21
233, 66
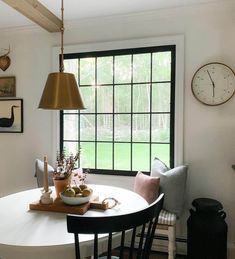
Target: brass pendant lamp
61, 91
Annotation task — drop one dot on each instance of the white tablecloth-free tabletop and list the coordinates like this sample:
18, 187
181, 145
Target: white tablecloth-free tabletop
30, 234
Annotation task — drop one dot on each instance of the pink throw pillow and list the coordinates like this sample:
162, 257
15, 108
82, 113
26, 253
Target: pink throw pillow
147, 186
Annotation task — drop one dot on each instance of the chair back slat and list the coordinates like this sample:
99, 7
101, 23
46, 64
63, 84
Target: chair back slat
131, 252
109, 246
95, 246
77, 247
147, 239
153, 232
112, 225
121, 248
141, 240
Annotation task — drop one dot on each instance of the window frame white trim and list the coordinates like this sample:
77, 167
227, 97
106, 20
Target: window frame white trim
177, 40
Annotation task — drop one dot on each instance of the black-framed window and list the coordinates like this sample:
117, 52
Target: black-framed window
130, 97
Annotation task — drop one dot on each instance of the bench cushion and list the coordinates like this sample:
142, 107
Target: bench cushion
167, 218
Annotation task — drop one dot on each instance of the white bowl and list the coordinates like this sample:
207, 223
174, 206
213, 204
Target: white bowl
74, 200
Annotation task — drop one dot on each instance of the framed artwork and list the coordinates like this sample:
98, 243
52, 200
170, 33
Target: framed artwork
11, 115
8, 86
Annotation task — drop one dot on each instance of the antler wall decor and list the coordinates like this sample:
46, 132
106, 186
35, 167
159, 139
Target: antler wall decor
5, 61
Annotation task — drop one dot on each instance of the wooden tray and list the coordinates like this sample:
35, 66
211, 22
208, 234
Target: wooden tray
59, 206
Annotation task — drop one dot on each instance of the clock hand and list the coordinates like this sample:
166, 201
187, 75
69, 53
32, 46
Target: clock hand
213, 84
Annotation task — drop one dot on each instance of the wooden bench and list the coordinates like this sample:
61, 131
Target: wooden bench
167, 227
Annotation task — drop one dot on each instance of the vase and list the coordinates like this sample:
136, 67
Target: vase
61, 185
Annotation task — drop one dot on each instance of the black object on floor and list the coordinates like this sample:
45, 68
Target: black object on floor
207, 230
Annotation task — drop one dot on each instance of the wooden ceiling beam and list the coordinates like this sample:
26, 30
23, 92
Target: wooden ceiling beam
38, 13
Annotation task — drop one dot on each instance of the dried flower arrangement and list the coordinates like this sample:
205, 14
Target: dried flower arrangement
65, 165
82, 176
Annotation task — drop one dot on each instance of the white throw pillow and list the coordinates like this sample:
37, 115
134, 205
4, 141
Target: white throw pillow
172, 184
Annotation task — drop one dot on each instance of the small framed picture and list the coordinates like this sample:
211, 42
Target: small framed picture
11, 115
8, 86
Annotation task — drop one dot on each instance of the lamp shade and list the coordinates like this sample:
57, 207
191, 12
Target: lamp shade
61, 92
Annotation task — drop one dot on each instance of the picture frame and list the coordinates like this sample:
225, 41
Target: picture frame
8, 86
11, 115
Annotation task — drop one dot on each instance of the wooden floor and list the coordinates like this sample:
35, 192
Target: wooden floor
164, 256
155, 255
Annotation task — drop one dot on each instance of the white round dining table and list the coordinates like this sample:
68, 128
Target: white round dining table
31, 234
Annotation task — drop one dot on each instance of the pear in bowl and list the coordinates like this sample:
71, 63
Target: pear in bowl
75, 195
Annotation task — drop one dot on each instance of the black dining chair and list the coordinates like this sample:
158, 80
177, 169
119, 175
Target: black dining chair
142, 223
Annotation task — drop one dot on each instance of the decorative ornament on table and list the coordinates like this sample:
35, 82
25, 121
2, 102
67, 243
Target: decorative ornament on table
46, 192
65, 166
5, 61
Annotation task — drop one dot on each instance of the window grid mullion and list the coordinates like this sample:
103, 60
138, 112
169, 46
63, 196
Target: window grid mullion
172, 110
79, 114
150, 116
136, 83
118, 113
125, 142
113, 150
96, 120
131, 151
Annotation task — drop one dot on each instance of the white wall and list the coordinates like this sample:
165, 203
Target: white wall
209, 142
30, 62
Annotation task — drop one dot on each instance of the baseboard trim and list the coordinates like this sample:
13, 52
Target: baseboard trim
178, 239
231, 251
160, 244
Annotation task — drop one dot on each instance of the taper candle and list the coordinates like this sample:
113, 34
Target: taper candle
45, 183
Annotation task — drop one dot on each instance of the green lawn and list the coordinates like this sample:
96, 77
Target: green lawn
122, 156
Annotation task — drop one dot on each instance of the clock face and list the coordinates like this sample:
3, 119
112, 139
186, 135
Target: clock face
213, 84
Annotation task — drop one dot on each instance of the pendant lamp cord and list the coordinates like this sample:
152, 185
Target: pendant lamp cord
62, 37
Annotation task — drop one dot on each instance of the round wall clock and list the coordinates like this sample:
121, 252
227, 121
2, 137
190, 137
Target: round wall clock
213, 84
